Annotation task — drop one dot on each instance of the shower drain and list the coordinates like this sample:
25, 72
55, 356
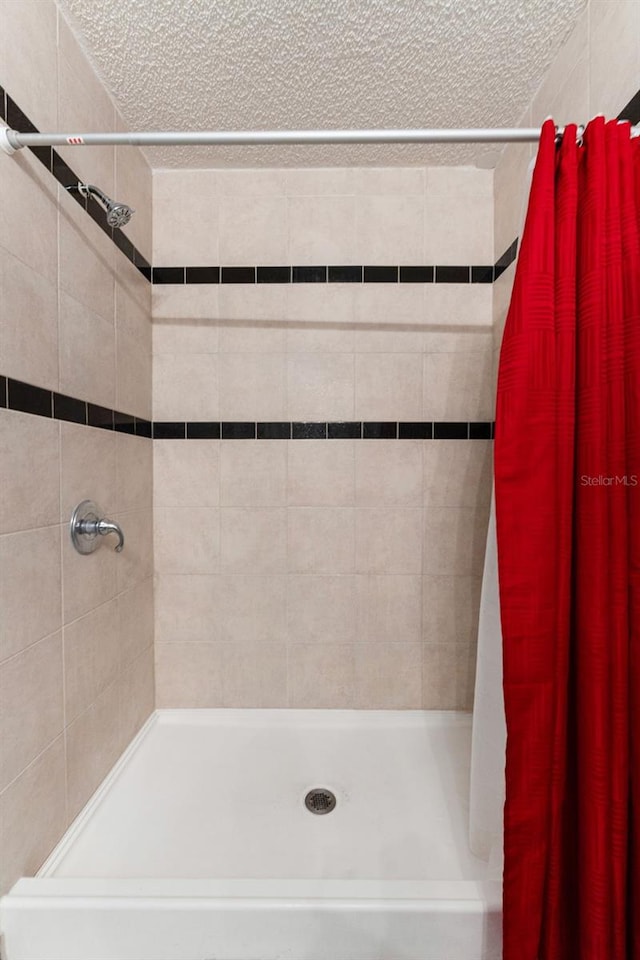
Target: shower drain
320, 800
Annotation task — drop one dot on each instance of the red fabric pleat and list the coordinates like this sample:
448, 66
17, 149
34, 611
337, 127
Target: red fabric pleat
567, 473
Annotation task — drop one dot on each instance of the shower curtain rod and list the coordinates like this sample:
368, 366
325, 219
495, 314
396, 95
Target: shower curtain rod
11, 140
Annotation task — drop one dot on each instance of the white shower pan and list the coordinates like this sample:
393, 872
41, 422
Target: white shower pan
199, 845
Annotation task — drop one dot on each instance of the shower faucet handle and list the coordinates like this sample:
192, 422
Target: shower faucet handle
88, 525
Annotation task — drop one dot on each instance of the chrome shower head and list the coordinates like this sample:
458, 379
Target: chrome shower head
118, 214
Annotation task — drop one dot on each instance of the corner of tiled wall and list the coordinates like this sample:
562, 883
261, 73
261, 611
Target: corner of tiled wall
76, 634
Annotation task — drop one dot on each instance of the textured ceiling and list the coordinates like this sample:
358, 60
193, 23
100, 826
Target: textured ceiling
278, 64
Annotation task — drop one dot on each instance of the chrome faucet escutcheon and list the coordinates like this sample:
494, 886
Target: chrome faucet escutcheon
88, 525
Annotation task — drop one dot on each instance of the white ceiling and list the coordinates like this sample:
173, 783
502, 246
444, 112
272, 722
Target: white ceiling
263, 64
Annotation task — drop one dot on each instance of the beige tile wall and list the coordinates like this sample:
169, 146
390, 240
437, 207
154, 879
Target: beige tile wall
76, 633
320, 352
320, 573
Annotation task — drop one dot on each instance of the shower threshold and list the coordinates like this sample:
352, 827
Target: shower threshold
199, 845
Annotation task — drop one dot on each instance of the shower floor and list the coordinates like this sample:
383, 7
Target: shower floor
202, 824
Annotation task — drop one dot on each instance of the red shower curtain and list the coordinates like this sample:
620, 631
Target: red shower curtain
567, 474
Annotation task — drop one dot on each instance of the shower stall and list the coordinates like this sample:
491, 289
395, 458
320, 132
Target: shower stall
250, 647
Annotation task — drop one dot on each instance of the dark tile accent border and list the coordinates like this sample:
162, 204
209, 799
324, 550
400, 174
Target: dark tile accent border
632, 110
344, 274
99, 417
415, 431
204, 430
450, 431
308, 274
506, 259
482, 274
124, 422
68, 408
29, 399
167, 274
380, 274
377, 430
480, 430
416, 274
451, 274
202, 275
273, 274
344, 431
168, 430
308, 431
26, 398
273, 431
238, 274
238, 430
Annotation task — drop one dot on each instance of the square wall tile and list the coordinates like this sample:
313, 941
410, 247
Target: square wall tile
94, 743
251, 609
29, 565
389, 473
321, 609
457, 386
454, 541
389, 540
388, 386
388, 676
88, 468
253, 540
185, 230
31, 707
253, 473
390, 229
91, 657
320, 386
253, 674
87, 353
28, 36
320, 318
29, 195
136, 689
320, 472
389, 609
321, 675
253, 230
88, 581
28, 324
135, 621
185, 387
448, 672
29, 471
252, 386
321, 540
451, 607
187, 675
187, 608
186, 474
186, 540
322, 230
32, 816
458, 473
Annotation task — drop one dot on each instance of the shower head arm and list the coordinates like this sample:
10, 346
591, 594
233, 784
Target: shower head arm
89, 190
